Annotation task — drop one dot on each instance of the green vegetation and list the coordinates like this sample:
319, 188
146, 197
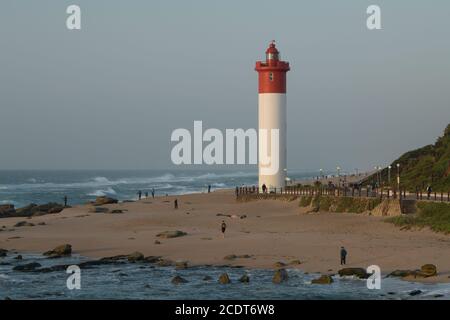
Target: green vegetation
429, 165
431, 214
339, 204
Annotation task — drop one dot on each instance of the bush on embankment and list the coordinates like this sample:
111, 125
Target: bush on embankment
326, 203
434, 215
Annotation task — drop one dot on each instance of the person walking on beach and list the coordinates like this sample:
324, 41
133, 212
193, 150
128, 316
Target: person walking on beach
264, 188
223, 227
343, 255
146, 194
209, 188
65, 201
237, 192
429, 190
139, 193
175, 204
153, 193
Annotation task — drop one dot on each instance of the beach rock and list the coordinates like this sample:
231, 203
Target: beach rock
323, 279
244, 279
152, 259
230, 257
224, 278
280, 276
18, 257
401, 273
116, 211
3, 252
7, 210
171, 234
181, 265
295, 262
164, 263
178, 280
428, 270
135, 257
358, 272
415, 292
100, 201
157, 242
98, 210
36, 210
27, 267
244, 256
207, 278
60, 251
23, 224
279, 264
41, 224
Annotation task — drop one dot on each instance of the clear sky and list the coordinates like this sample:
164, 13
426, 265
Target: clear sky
108, 96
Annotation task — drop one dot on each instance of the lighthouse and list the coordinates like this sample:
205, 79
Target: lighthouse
272, 119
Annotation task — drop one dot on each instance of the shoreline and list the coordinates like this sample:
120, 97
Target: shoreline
271, 231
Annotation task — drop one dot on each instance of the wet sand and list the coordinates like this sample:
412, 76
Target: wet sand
272, 231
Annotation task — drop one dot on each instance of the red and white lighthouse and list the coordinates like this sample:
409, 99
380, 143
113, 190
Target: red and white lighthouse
272, 115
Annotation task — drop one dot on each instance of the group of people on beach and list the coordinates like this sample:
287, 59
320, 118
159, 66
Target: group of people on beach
139, 193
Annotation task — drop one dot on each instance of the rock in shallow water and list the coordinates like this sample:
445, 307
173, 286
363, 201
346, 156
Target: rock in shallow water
224, 279
324, 279
358, 272
63, 250
244, 279
178, 280
280, 276
27, 267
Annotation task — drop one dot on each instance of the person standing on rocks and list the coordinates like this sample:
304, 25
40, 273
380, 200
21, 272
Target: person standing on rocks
224, 228
175, 203
343, 256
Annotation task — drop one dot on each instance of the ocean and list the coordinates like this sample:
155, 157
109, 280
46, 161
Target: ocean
32, 186
147, 281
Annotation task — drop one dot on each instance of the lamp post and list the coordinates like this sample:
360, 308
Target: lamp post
398, 177
389, 176
338, 175
321, 173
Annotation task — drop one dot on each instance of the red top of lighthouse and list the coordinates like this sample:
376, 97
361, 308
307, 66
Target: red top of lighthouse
272, 72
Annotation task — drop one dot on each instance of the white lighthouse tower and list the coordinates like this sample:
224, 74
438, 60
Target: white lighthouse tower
272, 115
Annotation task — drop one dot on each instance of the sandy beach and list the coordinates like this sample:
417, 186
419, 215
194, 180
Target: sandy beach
272, 231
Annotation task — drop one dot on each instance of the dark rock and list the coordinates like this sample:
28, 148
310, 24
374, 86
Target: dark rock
152, 259
3, 252
100, 201
415, 292
230, 257
7, 210
23, 224
39, 210
171, 234
178, 280
401, 273
181, 265
224, 279
41, 224
207, 278
280, 276
358, 272
135, 257
116, 211
295, 262
63, 250
19, 257
438, 295
428, 270
157, 242
27, 267
324, 279
164, 263
244, 279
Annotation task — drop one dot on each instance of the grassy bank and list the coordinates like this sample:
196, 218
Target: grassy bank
433, 215
339, 204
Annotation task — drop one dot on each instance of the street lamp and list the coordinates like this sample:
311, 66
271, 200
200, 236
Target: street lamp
389, 175
398, 177
321, 173
339, 176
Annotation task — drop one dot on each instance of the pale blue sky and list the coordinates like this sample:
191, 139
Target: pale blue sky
110, 95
